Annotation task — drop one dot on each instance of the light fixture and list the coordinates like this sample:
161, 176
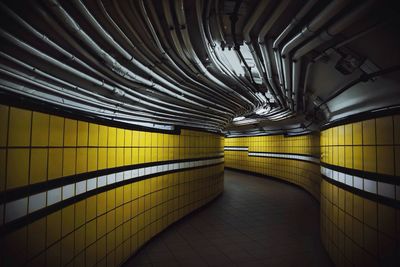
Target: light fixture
263, 111
239, 118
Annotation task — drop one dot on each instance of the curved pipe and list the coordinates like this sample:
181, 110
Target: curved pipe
263, 45
322, 18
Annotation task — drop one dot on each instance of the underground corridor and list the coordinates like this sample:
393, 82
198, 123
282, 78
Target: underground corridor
256, 221
199, 133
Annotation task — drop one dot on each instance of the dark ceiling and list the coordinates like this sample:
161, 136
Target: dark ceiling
238, 67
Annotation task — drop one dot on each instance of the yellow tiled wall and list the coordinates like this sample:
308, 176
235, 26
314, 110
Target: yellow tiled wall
108, 227
357, 230
302, 173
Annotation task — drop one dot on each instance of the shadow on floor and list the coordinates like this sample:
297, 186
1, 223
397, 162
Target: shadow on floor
256, 222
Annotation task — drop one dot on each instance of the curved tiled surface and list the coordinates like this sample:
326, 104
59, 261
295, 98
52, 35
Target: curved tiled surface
360, 216
293, 159
80, 193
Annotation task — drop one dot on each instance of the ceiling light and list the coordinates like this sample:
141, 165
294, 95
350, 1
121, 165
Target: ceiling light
239, 118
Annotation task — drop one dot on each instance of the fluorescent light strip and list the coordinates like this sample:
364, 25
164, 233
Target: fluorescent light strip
236, 148
284, 156
22, 207
383, 189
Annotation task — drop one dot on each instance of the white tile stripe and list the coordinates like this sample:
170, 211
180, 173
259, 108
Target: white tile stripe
284, 156
391, 191
20, 207
234, 148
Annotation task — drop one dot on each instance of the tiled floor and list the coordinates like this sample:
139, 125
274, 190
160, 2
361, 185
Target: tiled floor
256, 222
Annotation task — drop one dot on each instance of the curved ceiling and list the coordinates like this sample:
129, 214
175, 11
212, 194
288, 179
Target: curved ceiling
240, 67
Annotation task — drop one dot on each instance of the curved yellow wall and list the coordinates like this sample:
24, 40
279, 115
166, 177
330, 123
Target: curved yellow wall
293, 159
360, 192
79, 193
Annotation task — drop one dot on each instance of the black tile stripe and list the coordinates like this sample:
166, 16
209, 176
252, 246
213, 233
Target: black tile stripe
390, 179
307, 161
20, 192
30, 217
373, 197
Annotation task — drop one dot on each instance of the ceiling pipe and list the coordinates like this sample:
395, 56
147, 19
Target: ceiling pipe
323, 37
205, 34
187, 92
321, 19
174, 60
264, 49
275, 46
187, 42
246, 33
205, 76
118, 69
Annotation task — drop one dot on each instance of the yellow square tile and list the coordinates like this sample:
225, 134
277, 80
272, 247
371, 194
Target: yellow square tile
103, 135
101, 203
348, 137
91, 232
396, 127
55, 165
101, 225
67, 249
371, 240
341, 134
69, 160
119, 196
91, 208
128, 138
3, 163
40, 129
357, 133
17, 167
19, 131
120, 137
111, 157
102, 157
101, 249
369, 158
120, 156
53, 255
135, 155
384, 130
112, 136
38, 169
387, 220
93, 135
110, 199
70, 132
127, 156
82, 160
110, 221
349, 157
135, 138
92, 159
53, 227
83, 133
56, 131
369, 132
68, 220
79, 240
341, 156
4, 111
36, 232
80, 213
370, 213
385, 160
397, 160
358, 157
147, 141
